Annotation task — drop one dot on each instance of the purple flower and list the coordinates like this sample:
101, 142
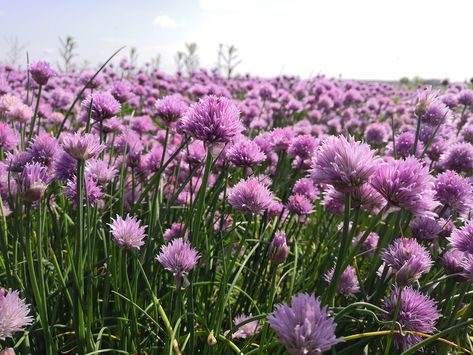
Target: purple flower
104, 106
465, 97
408, 258
44, 149
170, 108
302, 146
41, 72
424, 228
250, 196
304, 327
82, 147
462, 239
458, 157
14, 314
281, 138
417, 313
64, 166
406, 184
128, 233
33, 181
92, 193
454, 191
278, 249
245, 153
212, 120
405, 145
305, 187
376, 133
247, 330
300, 205
349, 284
179, 258
8, 139
430, 108
369, 245
100, 171
121, 91
177, 230
454, 262
345, 164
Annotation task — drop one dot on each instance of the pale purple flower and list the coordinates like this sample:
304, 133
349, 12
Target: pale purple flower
247, 330
305, 186
370, 243
170, 108
41, 72
300, 205
458, 157
100, 171
349, 284
92, 192
44, 149
406, 184
104, 106
250, 196
245, 153
8, 138
128, 233
213, 120
304, 327
344, 164
281, 138
376, 133
179, 258
417, 313
454, 262
408, 258
177, 230
64, 166
14, 313
302, 146
82, 147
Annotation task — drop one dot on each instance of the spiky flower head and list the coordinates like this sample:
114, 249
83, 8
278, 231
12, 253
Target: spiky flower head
103, 106
417, 312
343, 163
14, 313
424, 228
458, 157
250, 196
349, 284
212, 120
170, 108
462, 239
245, 153
179, 258
41, 72
128, 233
454, 191
406, 184
304, 326
33, 181
408, 258
82, 147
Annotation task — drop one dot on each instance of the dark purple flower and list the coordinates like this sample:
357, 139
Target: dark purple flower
33, 181
369, 245
64, 166
344, 164
44, 149
408, 258
278, 249
454, 191
304, 327
454, 262
417, 313
41, 72
458, 157
425, 228
462, 239
213, 120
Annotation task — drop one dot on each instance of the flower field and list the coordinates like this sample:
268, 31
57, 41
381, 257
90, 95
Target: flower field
148, 213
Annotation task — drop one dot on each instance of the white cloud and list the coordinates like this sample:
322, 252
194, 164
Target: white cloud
165, 21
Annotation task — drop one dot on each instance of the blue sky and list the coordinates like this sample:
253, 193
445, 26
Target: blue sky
363, 39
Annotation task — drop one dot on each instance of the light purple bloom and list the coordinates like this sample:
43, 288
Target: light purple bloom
349, 284
177, 230
458, 157
304, 327
245, 153
33, 181
462, 239
104, 106
300, 205
454, 191
247, 330
128, 233
250, 196
14, 313
417, 313
344, 164
213, 120
100, 171
82, 147
305, 186
170, 108
92, 192
369, 245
